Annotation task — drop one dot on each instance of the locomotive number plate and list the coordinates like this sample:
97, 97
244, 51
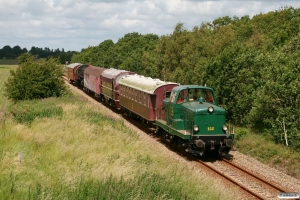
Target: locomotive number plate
210, 128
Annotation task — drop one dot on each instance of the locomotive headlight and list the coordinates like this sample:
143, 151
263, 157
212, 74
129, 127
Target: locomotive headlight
210, 109
196, 128
225, 128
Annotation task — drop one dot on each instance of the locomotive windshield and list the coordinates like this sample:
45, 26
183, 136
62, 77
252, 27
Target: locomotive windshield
192, 94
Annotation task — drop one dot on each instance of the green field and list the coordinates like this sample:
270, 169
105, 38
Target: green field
8, 62
67, 148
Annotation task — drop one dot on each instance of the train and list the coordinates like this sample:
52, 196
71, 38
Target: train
186, 115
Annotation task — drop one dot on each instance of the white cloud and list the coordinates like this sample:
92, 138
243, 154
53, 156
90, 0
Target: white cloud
77, 24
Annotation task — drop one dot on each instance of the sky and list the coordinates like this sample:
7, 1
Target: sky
77, 24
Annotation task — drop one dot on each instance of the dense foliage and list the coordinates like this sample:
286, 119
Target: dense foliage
35, 80
253, 64
128, 53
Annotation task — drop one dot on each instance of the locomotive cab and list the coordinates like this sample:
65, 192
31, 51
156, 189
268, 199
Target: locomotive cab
195, 121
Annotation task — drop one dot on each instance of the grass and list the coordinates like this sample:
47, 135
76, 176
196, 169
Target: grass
72, 157
263, 149
67, 148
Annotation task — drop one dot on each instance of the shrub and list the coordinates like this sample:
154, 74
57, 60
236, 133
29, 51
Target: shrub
35, 79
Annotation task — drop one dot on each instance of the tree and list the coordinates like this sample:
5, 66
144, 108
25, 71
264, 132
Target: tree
35, 80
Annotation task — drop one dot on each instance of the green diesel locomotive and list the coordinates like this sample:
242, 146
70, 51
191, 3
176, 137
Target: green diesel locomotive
192, 118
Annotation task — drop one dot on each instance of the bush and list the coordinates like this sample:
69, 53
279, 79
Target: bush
35, 79
241, 132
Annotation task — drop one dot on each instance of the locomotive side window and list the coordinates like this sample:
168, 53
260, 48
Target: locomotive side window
172, 96
184, 95
208, 96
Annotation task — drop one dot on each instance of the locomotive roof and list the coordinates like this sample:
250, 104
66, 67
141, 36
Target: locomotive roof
112, 73
73, 65
182, 87
145, 84
93, 70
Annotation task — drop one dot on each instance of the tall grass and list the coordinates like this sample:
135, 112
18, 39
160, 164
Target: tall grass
81, 152
262, 148
4, 73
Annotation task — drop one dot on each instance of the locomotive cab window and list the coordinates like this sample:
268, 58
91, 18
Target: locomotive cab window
173, 96
195, 94
183, 96
208, 96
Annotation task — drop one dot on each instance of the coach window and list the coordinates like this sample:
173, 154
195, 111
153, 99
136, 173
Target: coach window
167, 94
147, 99
136, 95
140, 97
132, 94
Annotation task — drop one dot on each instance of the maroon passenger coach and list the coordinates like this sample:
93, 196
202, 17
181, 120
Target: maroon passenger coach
143, 96
110, 85
72, 71
92, 77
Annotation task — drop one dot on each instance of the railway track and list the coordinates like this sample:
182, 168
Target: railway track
253, 186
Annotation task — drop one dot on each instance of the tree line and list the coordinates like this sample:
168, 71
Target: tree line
252, 63
39, 53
